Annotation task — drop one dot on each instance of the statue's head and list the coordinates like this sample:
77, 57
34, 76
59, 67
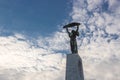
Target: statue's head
73, 31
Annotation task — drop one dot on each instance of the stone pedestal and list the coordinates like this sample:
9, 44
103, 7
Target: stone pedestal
74, 69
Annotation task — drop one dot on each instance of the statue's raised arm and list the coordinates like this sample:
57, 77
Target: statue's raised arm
77, 32
77, 28
68, 31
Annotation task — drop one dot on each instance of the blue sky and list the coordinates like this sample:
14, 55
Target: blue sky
33, 16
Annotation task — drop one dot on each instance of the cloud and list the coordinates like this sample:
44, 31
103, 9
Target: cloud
100, 37
54, 42
23, 59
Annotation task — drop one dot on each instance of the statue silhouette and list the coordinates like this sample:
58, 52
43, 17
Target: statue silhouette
73, 42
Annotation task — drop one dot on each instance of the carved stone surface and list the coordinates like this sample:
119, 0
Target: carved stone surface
74, 69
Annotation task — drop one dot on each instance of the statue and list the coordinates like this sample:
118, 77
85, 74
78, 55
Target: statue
73, 34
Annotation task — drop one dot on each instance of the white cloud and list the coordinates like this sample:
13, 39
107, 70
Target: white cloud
94, 4
54, 42
100, 38
21, 60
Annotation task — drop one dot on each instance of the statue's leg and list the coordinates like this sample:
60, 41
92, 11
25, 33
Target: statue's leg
72, 46
75, 47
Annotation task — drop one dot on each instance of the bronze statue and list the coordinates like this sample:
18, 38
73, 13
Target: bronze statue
73, 34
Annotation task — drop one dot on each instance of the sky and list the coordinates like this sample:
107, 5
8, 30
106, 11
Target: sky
33, 17
33, 45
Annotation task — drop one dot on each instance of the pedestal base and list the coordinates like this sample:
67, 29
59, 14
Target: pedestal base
74, 69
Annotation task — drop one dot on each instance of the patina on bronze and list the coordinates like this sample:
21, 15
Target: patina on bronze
73, 34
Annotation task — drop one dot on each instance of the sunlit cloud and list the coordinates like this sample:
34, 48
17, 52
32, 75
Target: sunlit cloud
21, 58
100, 37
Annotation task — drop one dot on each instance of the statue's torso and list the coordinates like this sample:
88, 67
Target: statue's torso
73, 35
